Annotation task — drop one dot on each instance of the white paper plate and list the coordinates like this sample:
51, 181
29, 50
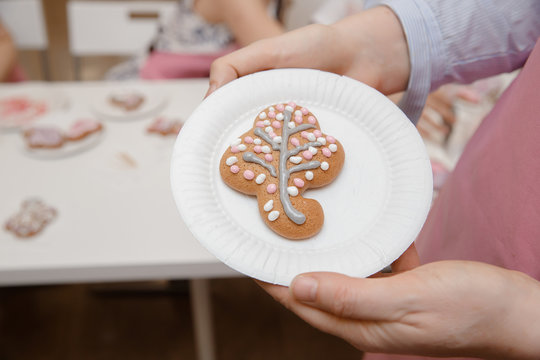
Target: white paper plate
53, 100
69, 148
154, 101
373, 210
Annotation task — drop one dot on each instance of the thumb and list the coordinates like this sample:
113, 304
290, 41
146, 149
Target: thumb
347, 297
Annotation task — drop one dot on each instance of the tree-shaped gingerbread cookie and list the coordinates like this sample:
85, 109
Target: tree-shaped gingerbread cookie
281, 156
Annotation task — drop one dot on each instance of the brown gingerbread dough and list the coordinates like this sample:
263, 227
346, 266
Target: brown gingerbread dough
281, 156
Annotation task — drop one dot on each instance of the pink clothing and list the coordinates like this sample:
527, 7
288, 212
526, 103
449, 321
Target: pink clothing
489, 208
168, 65
16, 75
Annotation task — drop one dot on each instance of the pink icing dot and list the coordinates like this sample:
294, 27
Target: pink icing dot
298, 182
304, 111
298, 119
330, 139
234, 149
326, 152
235, 169
271, 114
307, 155
257, 149
295, 141
304, 134
317, 133
268, 157
280, 107
276, 124
249, 175
292, 104
259, 124
271, 188
311, 120
272, 134
248, 140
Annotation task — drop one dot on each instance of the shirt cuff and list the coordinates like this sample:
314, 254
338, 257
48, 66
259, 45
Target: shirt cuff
424, 42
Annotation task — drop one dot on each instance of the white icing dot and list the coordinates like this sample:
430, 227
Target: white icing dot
262, 115
273, 215
266, 149
280, 117
231, 160
312, 150
324, 165
260, 178
321, 140
257, 141
295, 159
236, 142
292, 190
269, 205
311, 137
289, 108
298, 113
309, 175
271, 108
291, 125
242, 147
332, 147
266, 122
268, 129
277, 139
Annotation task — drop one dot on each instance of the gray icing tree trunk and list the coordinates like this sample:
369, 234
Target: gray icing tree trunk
284, 155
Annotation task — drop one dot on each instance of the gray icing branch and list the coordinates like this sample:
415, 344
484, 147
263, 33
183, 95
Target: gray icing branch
298, 128
296, 216
252, 158
307, 166
260, 133
297, 149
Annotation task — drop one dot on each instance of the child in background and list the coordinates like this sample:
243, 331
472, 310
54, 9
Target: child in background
198, 32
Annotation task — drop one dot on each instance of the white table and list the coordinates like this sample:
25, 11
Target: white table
116, 219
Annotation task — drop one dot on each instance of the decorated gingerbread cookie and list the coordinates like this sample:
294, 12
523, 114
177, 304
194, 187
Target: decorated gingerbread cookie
20, 111
44, 137
82, 128
164, 126
33, 216
283, 155
127, 100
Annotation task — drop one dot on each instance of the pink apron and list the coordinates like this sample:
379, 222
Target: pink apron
489, 208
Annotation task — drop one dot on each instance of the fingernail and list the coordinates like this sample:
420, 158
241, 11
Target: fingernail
304, 288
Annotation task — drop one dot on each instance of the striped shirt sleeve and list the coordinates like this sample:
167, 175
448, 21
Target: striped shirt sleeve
462, 41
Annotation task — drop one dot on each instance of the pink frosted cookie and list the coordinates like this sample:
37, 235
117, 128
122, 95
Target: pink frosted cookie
164, 126
44, 137
82, 128
127, 100
19, 111
33, 216
278, 163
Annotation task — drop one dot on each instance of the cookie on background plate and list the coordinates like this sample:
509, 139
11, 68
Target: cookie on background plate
31, 219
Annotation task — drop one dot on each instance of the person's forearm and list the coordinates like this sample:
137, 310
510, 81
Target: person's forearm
249, 20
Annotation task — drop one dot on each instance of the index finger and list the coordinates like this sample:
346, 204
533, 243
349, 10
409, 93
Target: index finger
253, 58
